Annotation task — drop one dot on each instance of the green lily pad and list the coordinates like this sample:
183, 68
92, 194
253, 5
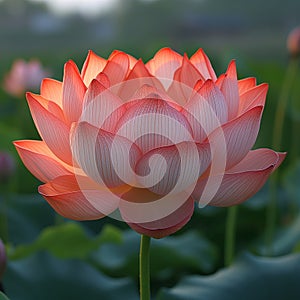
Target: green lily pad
67, 240
170, 255
43, 276
3, 297
251, 277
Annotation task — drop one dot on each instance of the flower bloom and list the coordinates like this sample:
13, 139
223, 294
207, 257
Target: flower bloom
23, 76
293, 42
143, 142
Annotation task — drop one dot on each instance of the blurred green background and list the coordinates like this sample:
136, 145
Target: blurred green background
51, 258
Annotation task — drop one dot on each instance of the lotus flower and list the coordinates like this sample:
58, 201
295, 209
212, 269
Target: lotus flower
293, 42
143, 142
23, 76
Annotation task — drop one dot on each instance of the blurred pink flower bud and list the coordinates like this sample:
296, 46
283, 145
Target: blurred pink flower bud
24, 76
293, 42
2, 259
7, 166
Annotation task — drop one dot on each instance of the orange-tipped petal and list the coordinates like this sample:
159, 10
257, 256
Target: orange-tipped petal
50, 106
230, 90
164, 64
185, 79
203, 65
206, 110
52, 90
132, 60
240, 135
137, 78
70, 200
107, 158
117, 68
92, 66
255, 96
73, 92
53, 131
158, 124
39, 160
246, 84
245, 179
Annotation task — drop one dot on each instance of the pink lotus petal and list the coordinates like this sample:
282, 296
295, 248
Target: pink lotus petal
92, 66
246, 84
40, 161
103, 79
230, 90
69, 199
185, 79
138, 77
117, 68
164, 64
240, 135
153, 123
161, 227
73, 92
106, 158
50, 106
173, 169
100, 99
203, 65
243, 180
53, 131
259, 159
132, 60
206, 110
52, 90
255, 96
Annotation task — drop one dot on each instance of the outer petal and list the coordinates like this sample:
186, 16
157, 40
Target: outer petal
240, 135
73, 92
53, 131
70, 200
161, 227
107, 158
230, 90
153, 123
246, 84
203, 65
164, 64
92, 66
52, 90
206, 110
253, 97
40, 161
101, 108
245, 179
173, 168
52, 107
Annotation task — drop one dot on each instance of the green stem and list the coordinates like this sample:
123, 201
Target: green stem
145, 267
271, 212
230, 235
283, 101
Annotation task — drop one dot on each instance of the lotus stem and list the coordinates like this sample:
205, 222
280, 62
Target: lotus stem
145, 267
230, 233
